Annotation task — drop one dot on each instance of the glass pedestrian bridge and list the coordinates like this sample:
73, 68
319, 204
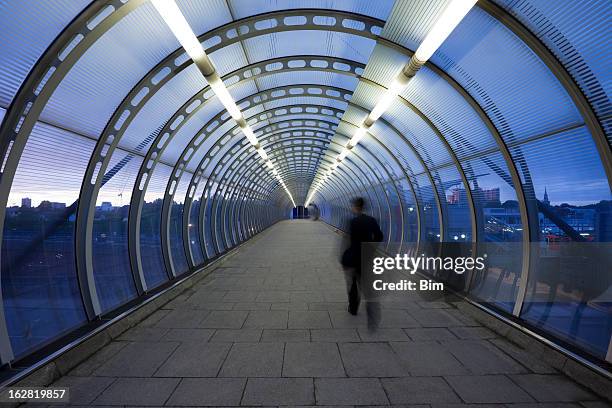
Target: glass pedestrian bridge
155, 155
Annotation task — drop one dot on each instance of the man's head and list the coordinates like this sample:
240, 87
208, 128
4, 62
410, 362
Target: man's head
357, 205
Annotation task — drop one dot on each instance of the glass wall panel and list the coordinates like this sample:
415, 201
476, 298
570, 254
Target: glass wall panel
206, 224
177, 250
568, 294
152, 259
194, 225
111, 262
500, 227
40, 290
410, 212
457, 226
430, 221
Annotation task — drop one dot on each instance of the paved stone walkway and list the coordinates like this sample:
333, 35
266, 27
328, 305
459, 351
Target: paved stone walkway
269, 327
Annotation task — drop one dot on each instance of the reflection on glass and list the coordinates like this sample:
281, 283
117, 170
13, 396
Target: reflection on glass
567, 294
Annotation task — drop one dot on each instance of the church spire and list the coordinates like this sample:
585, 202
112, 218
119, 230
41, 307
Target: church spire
546, 200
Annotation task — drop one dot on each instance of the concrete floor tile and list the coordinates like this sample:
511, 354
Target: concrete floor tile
350, 391
239, 296
306, 296
87, 367
252, 306
182, 335
435, 318
140, 359
481, 357
236, 335
143, 334
193, 359
335, 335
279, 391
329, 306
270, 319
309, 320
225, 319
138, 391
392, 318
473, 333
208, 392
182, 319
430, 333
371, 360
382, 334
312, 360
285, 335
254, 360
344, 320
482, 389
419, 390
273, 296
428, 359
552, 388
83, 390
289, 306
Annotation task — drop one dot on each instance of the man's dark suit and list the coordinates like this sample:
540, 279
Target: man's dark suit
362, 229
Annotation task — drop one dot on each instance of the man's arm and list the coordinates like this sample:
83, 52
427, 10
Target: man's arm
378, 235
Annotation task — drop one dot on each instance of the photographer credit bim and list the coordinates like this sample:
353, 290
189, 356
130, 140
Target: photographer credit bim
411, 264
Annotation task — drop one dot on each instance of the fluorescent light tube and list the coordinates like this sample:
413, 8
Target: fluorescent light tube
226, 99
248, 132
388, 97
450, 18
262, 154
359, 134
175, 20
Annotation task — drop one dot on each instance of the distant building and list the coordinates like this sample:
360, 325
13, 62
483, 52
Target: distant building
490, 195
106, 206
487, 196
603, 222
58, 206
457, 196
26, 202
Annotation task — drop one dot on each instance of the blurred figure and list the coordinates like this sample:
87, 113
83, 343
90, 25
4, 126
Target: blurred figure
314, 212
357, 261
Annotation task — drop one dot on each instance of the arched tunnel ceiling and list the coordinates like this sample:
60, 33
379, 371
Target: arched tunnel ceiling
105, 96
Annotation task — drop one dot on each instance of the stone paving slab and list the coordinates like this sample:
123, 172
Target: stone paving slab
279, 391
141, 359
194, 359
254, 360
208, 392
482, 389
351, 391
419, 390
138, 391
312, 360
